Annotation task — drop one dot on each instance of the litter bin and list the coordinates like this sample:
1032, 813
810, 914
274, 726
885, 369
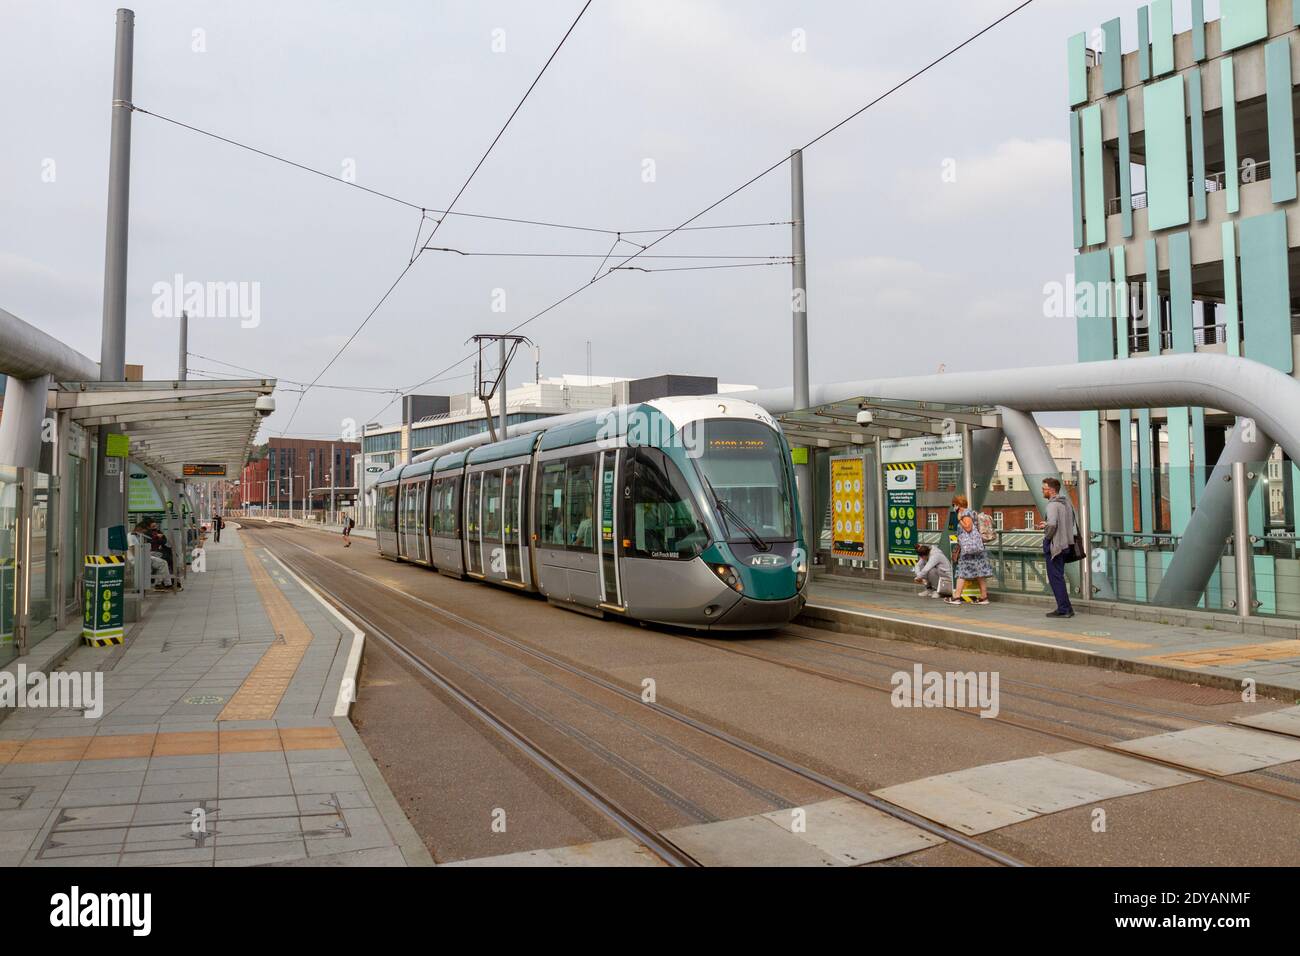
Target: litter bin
105, 577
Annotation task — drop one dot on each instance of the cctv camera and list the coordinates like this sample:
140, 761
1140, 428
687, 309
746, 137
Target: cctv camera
865, 417
265, 405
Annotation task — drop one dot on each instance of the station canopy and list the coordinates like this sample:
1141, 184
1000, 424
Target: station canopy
172, 424
837, 423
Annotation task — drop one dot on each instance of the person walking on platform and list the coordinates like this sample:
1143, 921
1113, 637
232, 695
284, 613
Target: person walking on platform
972, 559
933, 570
348, 525
1058, 544
218, 523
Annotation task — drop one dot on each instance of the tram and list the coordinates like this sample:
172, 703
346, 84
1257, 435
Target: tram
676, 511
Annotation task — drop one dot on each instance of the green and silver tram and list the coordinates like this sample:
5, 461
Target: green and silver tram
677, 511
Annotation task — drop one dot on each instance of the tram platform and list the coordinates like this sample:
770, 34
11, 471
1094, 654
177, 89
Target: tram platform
1188, 646
223, 739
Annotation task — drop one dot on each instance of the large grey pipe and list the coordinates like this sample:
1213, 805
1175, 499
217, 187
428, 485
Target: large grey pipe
986, 446
21, 425
27, 352
30, 357
1202, 544
1243, 387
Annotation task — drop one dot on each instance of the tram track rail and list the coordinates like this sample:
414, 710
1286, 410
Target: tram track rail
575, 783
857, 680
808, 774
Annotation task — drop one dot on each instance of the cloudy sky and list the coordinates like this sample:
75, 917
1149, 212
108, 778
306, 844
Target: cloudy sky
653, 110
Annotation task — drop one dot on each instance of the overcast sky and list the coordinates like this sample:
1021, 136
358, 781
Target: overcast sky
907, 271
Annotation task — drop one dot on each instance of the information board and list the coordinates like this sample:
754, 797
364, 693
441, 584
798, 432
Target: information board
848, 539
105, 577
900, 511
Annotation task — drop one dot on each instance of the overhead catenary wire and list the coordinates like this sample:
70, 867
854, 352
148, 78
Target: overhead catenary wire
280, 379
745, 185
729, 265
428, 211
438, 223
586, 255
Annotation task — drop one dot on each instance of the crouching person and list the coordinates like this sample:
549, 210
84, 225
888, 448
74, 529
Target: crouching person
934, 570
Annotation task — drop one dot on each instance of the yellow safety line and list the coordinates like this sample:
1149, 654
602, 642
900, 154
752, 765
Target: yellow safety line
966, 621
1212, 656
260, 694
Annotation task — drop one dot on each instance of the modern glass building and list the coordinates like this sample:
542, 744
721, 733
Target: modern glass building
1183, 169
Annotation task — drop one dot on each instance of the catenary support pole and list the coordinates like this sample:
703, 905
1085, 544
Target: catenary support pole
501, 385
110, 497
799, 313
183, 359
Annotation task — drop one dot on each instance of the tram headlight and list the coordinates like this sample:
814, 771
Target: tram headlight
800, 565
729, 576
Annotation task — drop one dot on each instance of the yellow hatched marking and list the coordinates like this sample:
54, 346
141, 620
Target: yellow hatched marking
260, 694
967, 620
1210, 657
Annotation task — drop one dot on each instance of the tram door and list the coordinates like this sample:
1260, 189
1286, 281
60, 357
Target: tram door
607, 540
511, 518
473, 538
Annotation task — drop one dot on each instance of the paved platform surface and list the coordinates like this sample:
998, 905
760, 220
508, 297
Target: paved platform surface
1201, 654
222, 740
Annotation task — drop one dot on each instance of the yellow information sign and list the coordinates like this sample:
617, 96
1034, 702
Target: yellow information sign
848, 508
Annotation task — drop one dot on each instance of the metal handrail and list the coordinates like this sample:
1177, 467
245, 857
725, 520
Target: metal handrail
1214, 182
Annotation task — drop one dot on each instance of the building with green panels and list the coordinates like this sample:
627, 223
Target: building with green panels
1186, 226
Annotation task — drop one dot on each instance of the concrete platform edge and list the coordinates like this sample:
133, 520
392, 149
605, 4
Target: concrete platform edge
874, 625
412, 848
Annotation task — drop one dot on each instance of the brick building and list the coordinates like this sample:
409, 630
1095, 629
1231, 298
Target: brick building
292, 465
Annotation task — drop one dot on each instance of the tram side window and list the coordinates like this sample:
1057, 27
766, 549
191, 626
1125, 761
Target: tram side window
452, 525
580, 502
387, 503
472, 503
492, 504
444, 508
435, 508
550, 507
664, 522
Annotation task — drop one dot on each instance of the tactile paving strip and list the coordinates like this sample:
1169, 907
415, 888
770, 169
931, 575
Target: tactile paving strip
263, 689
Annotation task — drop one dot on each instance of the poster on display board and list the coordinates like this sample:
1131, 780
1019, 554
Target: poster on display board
142, 495
900, 511
848, 540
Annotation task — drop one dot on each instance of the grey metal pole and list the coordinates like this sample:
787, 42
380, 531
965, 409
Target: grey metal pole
109, 497
799, 314
1241, 546
501, 387
1085, 532
882, 527
183, 359
332, 470
967, 466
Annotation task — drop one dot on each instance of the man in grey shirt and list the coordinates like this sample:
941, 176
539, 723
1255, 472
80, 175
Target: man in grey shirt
934, 570
1058, 539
